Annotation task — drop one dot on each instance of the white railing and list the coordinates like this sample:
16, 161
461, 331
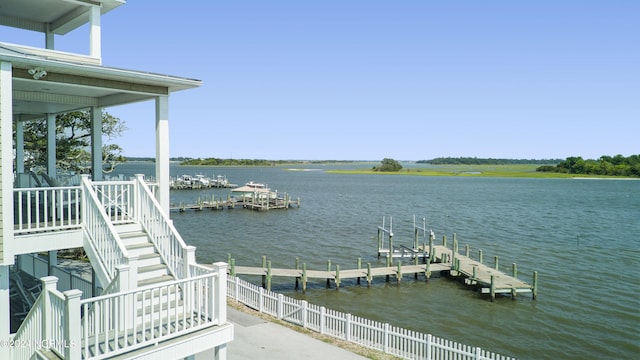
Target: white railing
103, 237
389, 339
168, 242
50, 323
122, 322
117, 199
47, 209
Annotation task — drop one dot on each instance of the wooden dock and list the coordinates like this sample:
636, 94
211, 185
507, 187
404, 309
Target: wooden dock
424, 259
258, 204
335, 275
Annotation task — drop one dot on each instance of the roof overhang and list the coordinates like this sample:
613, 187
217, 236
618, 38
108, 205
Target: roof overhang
74, 82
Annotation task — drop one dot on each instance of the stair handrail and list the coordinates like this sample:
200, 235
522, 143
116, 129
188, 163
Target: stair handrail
48, 323
175, 253
102, 235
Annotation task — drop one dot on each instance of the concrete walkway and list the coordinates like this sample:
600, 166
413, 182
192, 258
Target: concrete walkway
256, 338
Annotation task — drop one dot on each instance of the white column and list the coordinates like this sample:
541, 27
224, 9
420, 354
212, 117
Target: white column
5, 318
162, 151
49, 38
96, 143
19, 145
6, 167
95, 47
6, 203
51, 145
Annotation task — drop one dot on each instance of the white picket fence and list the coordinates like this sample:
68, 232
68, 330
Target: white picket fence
375, 335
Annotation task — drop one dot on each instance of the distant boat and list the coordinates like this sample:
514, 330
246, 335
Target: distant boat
185, 180
202, 180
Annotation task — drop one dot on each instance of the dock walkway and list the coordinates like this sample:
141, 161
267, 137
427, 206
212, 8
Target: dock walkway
435, 259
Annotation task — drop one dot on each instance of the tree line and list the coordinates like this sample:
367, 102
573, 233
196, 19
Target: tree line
617, 165
485, 161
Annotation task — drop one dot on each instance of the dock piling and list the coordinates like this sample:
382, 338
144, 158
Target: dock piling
304, 276
535, 285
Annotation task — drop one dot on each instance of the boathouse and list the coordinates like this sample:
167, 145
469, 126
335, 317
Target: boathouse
147, 297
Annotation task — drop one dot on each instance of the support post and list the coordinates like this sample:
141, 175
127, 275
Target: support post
369, 277
534, 292
514, 270
328, 270
219, 292
359, 267
427, 271
96, 143
399, 271
72, 333
337, 277
49, 283
493, 289
495, 262
162, 152
269, 275
304, 276
264, 267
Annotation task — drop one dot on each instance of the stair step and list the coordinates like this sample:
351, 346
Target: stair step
135, 237
140, 249
128, 227
155, 280
149, 259
152, 271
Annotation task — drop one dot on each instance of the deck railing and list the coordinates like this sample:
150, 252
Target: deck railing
170, 245
47, 209
384, 337
122, 322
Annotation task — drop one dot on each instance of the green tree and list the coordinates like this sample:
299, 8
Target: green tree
73, 142
388, 165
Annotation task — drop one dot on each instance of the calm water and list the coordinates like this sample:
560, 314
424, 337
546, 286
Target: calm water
582, 236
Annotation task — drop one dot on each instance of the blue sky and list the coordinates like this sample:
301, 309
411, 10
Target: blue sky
364, 80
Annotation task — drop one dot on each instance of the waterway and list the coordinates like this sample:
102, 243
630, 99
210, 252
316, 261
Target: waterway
581, 235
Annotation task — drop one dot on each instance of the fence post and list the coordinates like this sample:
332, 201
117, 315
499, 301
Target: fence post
347, 327
303, 309
322, 319
72, 335
385, 340
280, 311
260, 299
49, 283
236, 288
219, 292
476, 354
428, 347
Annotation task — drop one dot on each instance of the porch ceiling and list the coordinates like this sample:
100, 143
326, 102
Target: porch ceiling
62, 16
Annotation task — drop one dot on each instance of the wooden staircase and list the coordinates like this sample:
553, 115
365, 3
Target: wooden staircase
151, 268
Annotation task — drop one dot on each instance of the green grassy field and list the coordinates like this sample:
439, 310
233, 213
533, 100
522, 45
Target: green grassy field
518, 170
